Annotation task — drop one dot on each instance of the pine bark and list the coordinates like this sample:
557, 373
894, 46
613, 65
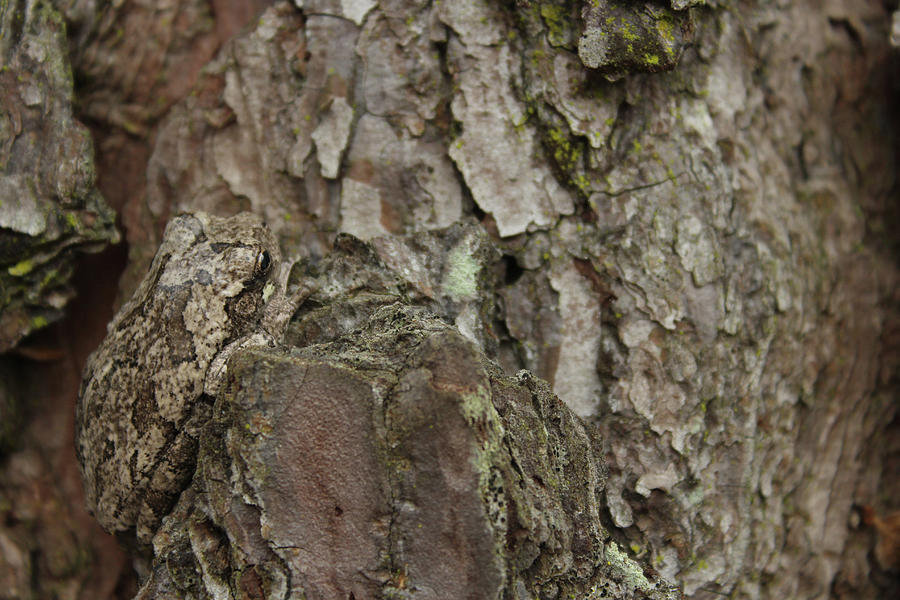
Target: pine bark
692, 204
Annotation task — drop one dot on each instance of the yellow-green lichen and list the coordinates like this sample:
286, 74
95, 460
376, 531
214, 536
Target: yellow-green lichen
566, 154
537, 56
50, 277
582, 183
21, 268
628, 32
554, 18
666, 30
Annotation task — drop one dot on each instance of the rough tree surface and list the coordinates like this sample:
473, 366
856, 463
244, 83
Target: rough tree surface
392, 462
693, 204
49, 206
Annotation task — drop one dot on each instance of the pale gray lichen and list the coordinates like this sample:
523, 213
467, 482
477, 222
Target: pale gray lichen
461, 276
629, 569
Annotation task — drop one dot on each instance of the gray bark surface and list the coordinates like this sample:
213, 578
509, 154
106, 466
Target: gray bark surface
392, 462
375, 453
700, 265
694, 206
50, 208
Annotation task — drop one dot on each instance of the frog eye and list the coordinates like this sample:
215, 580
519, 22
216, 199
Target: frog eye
263, 262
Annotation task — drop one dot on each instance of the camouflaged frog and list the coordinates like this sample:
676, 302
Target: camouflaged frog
216, 284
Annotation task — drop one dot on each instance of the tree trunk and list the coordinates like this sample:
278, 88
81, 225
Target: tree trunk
679, 216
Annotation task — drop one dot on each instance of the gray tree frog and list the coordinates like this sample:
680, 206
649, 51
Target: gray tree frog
215, 284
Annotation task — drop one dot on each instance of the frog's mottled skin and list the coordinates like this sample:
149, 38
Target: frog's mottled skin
213, 286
